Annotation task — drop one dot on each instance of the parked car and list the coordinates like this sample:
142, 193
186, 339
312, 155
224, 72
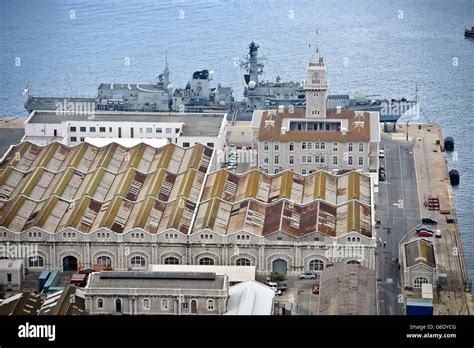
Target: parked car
425, 234
429, 221
277, 292
308, 275
315, 289
282, 287
438, 233
450, 219
382, 176
421, 228
381, 153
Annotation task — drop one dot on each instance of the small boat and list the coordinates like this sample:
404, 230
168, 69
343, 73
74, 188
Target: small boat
469, 32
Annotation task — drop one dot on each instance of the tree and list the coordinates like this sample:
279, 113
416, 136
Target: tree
277, 277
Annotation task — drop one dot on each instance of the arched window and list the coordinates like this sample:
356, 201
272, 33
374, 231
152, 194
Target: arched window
420, 280
316, 265
171, 261
353, 262
118, 305
206, 261
35, 261
242, 262
146, 304
164, 304
105, 261
100, 303
137, 262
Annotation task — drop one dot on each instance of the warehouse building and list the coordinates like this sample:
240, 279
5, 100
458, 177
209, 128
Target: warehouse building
127, 209
419, 263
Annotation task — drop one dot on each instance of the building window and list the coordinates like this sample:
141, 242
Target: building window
276, 171
185, 144
176, 130
35, 261
210, 305
184, 305
303, 146
210, 145
310, 146
316, 146
276, 147
353, 262
265, 146
164, 304
292, 147
361, 161
146, 304
100, 303
335, 148
277, 160
265, 170
334, 161
92, 129
72, 129
149, 130
304, 173
265, 160
349, 161
159, 130
361, 147
323, 159
82, 129
419, 281
168, 130
137, 262
102, 129
73, 139
303, 159
350, 147
206, 261
82, 139
110, 129
242, 262
309, 159
323, 146
317, 159
316, 265
291, 160
104, 261
171, 261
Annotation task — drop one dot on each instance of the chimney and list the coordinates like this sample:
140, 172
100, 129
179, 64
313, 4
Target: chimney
283, 130
338, 109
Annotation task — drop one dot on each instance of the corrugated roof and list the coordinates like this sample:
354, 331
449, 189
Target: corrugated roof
88, 187
420, 251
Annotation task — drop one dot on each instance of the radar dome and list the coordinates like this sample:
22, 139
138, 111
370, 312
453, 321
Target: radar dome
252, 84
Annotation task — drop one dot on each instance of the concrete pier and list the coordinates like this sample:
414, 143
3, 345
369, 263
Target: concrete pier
453, 298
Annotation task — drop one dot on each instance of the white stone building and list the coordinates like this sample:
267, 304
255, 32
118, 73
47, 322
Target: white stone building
182, 129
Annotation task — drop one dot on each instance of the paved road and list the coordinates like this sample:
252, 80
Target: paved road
9, 136
398, 203
300, 293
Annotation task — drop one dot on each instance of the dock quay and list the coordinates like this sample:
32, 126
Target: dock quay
423, 144
12, 130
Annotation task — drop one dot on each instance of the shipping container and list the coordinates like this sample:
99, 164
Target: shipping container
42, 280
